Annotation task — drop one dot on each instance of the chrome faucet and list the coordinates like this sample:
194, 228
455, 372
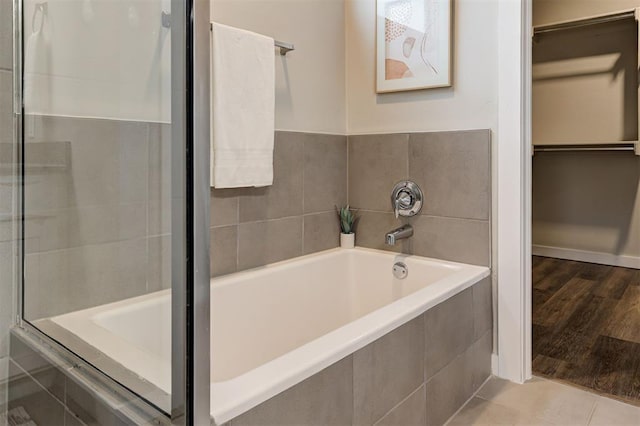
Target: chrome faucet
404, 231
406, 200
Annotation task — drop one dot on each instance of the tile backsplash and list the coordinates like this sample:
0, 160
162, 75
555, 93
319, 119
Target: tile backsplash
453, 169
100, 216
251, 227
313, 173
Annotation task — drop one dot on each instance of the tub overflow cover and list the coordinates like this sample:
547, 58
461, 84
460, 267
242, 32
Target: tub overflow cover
400, 270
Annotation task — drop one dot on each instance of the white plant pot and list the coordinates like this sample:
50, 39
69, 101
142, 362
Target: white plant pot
347, 240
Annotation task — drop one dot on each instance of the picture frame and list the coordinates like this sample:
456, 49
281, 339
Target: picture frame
413, 44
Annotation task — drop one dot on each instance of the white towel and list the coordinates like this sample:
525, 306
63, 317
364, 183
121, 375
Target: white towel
243, 108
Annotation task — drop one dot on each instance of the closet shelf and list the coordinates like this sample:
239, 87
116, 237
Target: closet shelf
585, 22
633, 146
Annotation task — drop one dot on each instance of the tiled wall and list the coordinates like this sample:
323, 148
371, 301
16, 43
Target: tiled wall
296, 215
312, 174
419, 374
97, 212
99, 216
54, 393
453, 169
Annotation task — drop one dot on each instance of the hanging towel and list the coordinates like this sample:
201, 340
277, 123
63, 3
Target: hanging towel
243, 108
36, 65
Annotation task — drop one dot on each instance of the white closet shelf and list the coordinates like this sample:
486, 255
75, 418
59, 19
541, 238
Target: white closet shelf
633, 146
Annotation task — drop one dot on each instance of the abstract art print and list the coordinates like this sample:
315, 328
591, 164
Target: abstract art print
413, 44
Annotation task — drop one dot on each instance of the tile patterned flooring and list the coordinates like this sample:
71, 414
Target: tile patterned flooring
586, 326
542, 402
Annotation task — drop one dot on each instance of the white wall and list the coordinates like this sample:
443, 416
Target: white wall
98, 58
310, 85
471, 103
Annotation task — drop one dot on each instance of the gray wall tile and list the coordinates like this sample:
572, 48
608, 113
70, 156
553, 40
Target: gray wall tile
376, 164
449, 331
109, 160
159, 180
224, 206
6, 297
50, 377
70, 419
482, 308
452, 386
61, 281
284, 197
458, 240
321, 232
6, 103
224, 250
90, 409
260, 243
410, 412
372, 228
478, 357
447, 391
42, 408
325, 172
388, 370
6, 34
159, 263
323, 399
454, 171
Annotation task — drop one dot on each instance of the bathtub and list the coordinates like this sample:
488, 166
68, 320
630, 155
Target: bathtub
274, 326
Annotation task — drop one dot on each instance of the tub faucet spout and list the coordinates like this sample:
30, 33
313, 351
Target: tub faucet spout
405, 231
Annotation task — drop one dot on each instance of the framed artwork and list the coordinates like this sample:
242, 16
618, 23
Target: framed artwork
413, 45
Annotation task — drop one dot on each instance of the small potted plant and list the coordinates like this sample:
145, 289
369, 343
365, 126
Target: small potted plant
348, 221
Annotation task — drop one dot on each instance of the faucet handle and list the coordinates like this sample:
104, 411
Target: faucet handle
403, 201
406, 199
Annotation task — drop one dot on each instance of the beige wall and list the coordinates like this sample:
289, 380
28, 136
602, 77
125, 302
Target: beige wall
328, 83
587, 201
470, 104
310, 85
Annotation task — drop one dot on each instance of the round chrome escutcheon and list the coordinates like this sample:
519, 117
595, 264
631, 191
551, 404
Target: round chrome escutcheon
400, 270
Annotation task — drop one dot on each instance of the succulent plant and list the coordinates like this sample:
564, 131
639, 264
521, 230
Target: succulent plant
348, 219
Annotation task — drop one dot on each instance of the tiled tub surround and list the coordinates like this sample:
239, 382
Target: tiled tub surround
98, 212
54, 389
276, 326
100, 226
252, 227
313, 173
453, 169
421, 373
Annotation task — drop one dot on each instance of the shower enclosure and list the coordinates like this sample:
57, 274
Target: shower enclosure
110, 201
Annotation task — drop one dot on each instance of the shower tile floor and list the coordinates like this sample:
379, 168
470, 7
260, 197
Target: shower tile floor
586, 326
542, 402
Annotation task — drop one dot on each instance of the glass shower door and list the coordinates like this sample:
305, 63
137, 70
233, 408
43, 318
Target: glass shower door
115, 264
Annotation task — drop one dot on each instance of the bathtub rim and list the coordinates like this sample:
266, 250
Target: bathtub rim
233, 397
236, 396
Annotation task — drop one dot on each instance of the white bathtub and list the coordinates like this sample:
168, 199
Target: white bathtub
274, 326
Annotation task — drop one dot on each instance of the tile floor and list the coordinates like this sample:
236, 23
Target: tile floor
542, 402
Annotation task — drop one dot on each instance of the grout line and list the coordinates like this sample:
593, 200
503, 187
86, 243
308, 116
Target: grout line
348, 170
271, 220
40, 385
408, 157
304, 168
469, 400
423, 384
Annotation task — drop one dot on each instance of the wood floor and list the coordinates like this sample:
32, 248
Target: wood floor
586, 326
